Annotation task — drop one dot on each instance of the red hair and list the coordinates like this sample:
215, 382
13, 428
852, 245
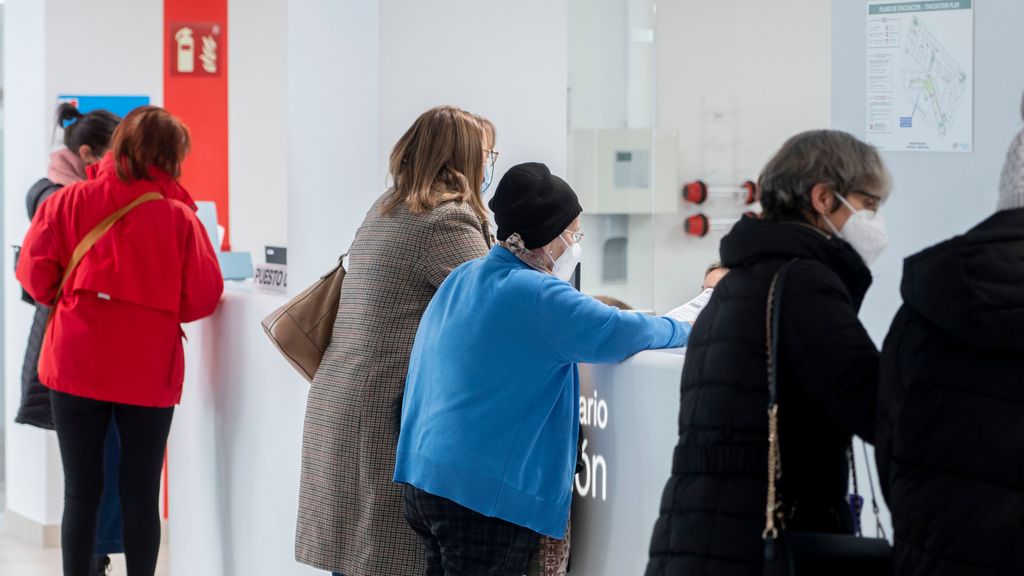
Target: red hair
150, 137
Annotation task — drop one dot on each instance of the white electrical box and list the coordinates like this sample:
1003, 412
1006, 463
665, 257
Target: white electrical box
624, 171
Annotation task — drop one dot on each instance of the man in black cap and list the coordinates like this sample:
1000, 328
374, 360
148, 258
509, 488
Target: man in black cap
487, 448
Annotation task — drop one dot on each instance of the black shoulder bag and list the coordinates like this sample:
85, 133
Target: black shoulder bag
807, 553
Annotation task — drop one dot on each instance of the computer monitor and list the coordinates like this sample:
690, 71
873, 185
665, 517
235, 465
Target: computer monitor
233, 265
207, 214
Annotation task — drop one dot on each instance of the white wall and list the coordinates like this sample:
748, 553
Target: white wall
941, 194
3, 403
597, 70
353, 91
258, 124
109, 48
732, 79
935, 195
1, 59
54, 47
25, 146
332, 130
503, 60
735, 79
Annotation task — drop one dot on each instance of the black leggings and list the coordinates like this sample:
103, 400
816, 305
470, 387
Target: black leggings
82, 430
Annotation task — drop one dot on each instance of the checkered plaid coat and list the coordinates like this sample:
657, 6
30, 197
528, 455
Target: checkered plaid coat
350, 512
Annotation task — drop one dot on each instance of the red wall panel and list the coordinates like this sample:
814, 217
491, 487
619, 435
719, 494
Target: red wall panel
200, 99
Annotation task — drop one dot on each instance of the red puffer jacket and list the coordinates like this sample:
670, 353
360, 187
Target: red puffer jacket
116, 336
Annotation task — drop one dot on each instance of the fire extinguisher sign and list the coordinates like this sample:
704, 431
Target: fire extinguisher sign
195, 49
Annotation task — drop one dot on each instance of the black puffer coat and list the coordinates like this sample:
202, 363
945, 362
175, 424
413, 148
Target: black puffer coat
35, 398
951, 406
712, 510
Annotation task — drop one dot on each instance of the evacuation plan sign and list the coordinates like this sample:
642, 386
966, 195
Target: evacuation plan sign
920, 76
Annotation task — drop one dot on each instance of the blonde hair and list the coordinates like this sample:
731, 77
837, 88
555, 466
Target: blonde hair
613, 302
490, 132
438, 159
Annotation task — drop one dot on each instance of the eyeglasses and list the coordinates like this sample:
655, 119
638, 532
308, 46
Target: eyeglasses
872, 201
576, 236
492, 157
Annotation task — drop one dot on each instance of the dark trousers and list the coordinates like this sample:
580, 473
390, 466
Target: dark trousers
461, 542
109, 534
82, 426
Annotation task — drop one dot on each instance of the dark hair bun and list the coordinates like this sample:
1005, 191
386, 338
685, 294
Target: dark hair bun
67, 112
94, 129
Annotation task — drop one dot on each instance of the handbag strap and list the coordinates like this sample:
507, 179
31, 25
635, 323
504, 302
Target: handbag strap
94, 235
772, 321
773, 510
341, 262
879, 529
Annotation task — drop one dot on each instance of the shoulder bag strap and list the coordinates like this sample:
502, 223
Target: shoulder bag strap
879, 529
94, 235
340, 264
772, 318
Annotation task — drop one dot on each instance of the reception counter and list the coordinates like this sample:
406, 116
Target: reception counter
630, 415
235, 452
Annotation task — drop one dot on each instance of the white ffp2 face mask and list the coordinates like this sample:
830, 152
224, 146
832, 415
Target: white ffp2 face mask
865, 231
565, 265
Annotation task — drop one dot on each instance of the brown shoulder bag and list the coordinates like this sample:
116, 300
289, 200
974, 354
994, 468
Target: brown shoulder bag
301, 329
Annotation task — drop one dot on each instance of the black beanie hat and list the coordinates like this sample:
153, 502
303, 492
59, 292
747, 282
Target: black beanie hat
534, 203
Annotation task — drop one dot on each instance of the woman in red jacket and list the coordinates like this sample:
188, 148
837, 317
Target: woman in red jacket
113, 347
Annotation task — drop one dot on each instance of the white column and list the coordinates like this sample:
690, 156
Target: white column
504, 60
640, 81
353, 91
332, 129
258, 124
33, 497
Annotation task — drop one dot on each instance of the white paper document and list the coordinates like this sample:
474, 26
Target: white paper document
691, 310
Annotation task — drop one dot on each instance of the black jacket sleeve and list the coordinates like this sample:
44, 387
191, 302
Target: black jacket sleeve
39, 192
830, 351
889, 392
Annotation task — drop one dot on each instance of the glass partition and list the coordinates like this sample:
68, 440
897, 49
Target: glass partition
622, 170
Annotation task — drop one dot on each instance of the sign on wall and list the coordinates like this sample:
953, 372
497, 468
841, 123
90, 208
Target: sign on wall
195, 49
920, 75
120, 105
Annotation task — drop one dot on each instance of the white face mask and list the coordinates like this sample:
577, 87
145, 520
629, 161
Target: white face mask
864, 230
566, 263
488, 177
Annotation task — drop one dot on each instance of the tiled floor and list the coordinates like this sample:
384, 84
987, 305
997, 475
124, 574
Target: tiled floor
18, 559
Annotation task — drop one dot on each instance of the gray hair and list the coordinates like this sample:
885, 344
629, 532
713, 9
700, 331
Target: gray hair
830, 157
716, 265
